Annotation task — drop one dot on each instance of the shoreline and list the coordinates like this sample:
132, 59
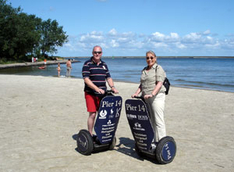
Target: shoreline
185, 87
40, 117
230, 57
130, 82
49, 62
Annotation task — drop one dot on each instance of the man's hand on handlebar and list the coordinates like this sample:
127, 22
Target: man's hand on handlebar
115, 91
101, 91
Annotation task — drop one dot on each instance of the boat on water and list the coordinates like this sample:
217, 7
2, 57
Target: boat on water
42, 67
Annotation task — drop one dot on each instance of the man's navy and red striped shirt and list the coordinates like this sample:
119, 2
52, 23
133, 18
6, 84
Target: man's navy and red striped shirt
97, 73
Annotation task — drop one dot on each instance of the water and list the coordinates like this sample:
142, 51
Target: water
201, 73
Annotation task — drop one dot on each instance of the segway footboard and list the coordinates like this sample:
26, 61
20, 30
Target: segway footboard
139, 122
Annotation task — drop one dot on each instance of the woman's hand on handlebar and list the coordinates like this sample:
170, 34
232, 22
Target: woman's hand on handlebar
134, 95
148, 96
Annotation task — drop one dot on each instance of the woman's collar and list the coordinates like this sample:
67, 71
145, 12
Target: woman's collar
154, 66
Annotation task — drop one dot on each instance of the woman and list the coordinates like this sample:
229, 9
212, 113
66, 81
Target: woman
153, 91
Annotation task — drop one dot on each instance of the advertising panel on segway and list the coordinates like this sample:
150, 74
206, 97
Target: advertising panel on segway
139, 122
105, 127
143, 133
108, 118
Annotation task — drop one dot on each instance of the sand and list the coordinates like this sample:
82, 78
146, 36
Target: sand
40, 117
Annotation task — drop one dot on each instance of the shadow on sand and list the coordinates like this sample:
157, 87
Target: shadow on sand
127, 147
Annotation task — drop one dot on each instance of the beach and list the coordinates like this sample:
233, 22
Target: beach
40, 117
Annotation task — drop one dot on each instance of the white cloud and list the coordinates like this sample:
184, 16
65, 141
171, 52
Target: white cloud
92, 37
123, 39
158, 36
130, 42
207, 32
113, 43
112, 32
159, 45
174, 36
212, 46
192, 37
180, 46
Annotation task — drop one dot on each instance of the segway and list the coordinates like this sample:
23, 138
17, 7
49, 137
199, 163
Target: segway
105, 127
138, 118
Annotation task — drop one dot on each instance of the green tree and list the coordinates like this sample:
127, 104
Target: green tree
27, 34
23, 35
19, 32
7, 19
52, 36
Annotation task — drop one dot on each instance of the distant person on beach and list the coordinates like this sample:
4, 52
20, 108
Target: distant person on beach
59, 69
45, 61
153, 91
95, 74
68, 64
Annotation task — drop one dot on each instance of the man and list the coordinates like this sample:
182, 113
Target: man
95, 74
68, 64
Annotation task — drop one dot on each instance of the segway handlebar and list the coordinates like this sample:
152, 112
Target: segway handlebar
138, 97
109, 92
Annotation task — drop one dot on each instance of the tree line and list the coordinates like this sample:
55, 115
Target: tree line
23, 36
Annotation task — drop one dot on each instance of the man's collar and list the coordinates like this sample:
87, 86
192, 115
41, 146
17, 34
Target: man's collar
94, 61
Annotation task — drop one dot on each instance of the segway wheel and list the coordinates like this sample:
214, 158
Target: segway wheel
112, 145
166, 150
84, 142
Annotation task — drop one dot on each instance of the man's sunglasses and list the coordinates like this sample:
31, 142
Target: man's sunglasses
97, 52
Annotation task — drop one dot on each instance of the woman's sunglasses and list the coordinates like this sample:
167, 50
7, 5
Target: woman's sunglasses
147, 58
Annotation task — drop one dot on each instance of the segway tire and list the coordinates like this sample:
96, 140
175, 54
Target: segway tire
113, 143
166, 150
84, 142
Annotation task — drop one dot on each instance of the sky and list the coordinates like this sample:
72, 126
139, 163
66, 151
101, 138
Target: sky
132, 27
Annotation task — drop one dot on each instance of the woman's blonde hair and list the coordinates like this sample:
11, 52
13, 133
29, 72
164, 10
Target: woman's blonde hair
151, 52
